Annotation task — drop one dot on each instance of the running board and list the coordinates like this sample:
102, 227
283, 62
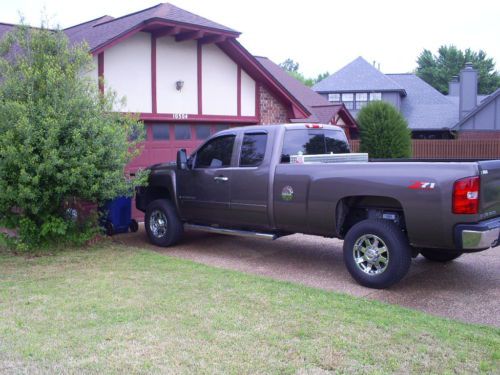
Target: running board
231, 232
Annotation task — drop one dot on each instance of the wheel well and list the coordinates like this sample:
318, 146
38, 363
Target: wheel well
351, 210
152, 193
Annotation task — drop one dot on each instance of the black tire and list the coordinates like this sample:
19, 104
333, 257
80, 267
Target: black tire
133, 226
397, 253
437, 255
163, 235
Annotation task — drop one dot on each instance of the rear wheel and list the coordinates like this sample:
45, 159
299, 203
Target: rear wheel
163, 226
437, 255
376, 253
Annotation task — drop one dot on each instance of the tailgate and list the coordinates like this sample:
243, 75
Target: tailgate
489, 198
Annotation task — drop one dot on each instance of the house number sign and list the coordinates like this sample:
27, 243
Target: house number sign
180, 116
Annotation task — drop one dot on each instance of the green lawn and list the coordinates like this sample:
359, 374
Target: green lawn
114, 309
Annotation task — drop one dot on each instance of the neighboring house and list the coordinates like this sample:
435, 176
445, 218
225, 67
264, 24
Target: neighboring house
321, 110
187, 77
429, 113
479, 116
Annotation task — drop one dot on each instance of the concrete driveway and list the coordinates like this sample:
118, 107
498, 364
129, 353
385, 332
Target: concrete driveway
467, 289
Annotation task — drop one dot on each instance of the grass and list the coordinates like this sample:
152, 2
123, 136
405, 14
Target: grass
112, 309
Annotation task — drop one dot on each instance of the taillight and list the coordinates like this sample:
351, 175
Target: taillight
314, 126
466, 196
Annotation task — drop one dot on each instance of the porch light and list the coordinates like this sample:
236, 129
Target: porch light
179, 85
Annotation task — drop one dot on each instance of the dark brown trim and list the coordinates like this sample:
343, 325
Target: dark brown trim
238, 91
170, 117
100, 71
257, 101
189, 35
199, 52
153, 74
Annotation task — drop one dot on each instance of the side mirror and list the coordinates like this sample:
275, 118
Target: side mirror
182, 159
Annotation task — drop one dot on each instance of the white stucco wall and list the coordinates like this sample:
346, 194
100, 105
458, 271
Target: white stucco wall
219, 82
127, 70
247, 95
176, 61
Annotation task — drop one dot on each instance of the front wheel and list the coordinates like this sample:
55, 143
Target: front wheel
437, 255
163, 226
376, 253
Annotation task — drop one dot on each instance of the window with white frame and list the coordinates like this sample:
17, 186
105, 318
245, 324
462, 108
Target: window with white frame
334, 98
375, 96
361, 99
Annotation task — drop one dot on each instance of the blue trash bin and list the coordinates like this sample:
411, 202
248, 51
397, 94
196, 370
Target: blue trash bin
117, 216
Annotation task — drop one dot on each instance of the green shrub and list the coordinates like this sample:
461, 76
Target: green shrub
384, 131
60, 140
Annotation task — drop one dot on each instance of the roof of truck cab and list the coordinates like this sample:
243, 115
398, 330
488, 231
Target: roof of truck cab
288, 126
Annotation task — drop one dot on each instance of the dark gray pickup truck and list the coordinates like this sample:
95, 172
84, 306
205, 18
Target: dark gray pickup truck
271, 181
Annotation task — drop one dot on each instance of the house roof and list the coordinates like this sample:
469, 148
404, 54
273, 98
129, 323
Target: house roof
424, 107
103, 30
5, 28
359, 75
321, 109
478, 109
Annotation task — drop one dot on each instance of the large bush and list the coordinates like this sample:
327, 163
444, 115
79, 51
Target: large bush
60, 141
384, 131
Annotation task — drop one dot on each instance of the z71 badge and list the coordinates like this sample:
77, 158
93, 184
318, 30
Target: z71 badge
422, 185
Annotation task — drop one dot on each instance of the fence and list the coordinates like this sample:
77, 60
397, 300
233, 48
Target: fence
451, 148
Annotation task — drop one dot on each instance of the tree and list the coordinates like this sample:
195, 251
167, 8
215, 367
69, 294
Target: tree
59, 137
292, 68
289, 65
437, 70
384, 131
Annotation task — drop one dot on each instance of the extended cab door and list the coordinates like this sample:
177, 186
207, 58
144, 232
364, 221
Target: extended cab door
250, 181
204, 189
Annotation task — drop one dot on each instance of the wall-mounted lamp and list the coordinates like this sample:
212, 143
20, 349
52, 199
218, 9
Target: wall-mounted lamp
179, 85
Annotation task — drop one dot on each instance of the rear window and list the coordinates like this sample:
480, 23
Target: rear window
313, 142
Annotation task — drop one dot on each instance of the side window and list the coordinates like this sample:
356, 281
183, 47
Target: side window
253, 149
216, 153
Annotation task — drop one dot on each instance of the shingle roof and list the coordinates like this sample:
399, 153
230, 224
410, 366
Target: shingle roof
359, 75
5, 28
322, 110
479, 108
424, 107
104, 29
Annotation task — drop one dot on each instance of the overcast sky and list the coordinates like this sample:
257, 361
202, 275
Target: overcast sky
320, 35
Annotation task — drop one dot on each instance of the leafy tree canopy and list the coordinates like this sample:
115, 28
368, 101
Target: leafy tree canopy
60, 139
437, 70
292, 67
384, 131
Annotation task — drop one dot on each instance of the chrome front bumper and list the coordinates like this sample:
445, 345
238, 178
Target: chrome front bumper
479, 236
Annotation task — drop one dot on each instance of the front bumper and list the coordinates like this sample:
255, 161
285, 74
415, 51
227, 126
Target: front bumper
480, 236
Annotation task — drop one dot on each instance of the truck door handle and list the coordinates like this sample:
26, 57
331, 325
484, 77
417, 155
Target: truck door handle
221, 178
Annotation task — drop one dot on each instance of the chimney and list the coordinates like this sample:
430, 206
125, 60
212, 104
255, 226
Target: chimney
468, 90
454, 86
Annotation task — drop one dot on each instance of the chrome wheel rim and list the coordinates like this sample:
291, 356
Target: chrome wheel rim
371, 254
158, 223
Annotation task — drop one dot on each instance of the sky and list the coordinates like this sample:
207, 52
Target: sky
320, 35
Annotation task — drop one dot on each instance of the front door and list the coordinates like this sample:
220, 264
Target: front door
205, 189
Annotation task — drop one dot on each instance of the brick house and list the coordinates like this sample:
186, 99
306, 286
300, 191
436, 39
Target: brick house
186, 76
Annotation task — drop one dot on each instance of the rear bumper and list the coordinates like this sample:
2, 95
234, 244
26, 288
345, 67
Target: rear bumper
480, 236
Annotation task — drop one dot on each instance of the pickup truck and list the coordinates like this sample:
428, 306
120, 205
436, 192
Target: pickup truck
271, 181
